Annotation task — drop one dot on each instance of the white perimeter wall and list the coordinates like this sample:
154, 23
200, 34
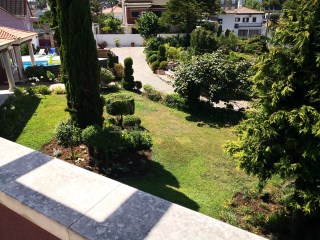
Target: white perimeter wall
125, 40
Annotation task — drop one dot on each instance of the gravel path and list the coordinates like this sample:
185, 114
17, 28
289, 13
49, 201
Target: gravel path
142, 71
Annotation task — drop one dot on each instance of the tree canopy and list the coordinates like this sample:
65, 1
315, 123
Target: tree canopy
186, 13
148, 25
213, 76
253, 4
281, 135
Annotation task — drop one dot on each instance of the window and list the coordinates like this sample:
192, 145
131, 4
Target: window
135, 14
245, 19
237, 19
254, 19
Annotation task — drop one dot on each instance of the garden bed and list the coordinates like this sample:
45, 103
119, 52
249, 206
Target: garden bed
125, 164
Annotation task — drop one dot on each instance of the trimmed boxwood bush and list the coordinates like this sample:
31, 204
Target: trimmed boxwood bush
119, 104
174, 100
136, 140
127, 77
153, 58
131, 121
163, 65
154, 95
154, 66
138, 85
162, 53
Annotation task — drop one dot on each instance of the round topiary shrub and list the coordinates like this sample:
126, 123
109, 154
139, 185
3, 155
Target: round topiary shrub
119, 105
127, 77
131, 121
154, 95
154, 66
92, 136
106, 76
138, 85
153, 58
163, 65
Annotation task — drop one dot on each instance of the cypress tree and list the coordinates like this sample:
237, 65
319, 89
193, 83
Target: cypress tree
79, 62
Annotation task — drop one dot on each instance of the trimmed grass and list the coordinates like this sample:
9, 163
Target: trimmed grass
195, 172
40, 129
189, 165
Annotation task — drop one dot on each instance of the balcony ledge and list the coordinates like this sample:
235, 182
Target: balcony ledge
73, 203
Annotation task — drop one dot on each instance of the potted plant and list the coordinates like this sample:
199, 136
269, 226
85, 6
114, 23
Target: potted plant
116, 41
102, 45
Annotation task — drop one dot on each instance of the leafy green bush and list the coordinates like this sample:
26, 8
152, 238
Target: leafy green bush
148, 88
150, 53
118, 71
42, 89
155, 65
136, 140
138, 85
153, 58
59, 90
68, 135
36, 73
152, 44
153, 95
131, 121
174, 100
163, 65
203, 41
93, 136
106, 76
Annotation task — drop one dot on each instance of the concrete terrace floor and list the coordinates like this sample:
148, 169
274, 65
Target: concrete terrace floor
142, 71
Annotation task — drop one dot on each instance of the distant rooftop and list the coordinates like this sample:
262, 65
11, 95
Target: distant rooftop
244, 10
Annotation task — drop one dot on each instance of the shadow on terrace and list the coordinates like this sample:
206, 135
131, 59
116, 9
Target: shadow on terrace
75, 197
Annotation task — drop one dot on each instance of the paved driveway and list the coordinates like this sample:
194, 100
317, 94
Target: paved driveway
142, 71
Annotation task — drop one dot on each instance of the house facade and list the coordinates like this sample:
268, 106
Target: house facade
133, 9
243, 22
116, 11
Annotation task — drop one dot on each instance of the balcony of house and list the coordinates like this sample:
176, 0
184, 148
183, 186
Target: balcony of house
42, 197
248, 25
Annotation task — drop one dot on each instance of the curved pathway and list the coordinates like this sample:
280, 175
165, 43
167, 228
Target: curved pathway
142, 71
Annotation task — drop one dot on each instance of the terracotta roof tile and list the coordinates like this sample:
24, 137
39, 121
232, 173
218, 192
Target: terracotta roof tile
244, 10
13, 34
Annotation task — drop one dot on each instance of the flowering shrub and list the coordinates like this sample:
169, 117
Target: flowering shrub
36, 74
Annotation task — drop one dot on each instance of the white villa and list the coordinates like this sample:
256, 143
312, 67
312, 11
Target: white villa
243, 22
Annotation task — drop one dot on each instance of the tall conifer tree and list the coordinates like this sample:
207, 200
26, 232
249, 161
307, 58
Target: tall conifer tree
79, 62
282, 134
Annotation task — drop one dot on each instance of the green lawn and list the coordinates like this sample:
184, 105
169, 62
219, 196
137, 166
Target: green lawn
189, 166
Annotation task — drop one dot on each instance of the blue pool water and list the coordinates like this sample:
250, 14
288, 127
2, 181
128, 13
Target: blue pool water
38, 63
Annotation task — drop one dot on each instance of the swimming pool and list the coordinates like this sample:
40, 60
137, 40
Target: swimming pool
38, 63
41, 60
